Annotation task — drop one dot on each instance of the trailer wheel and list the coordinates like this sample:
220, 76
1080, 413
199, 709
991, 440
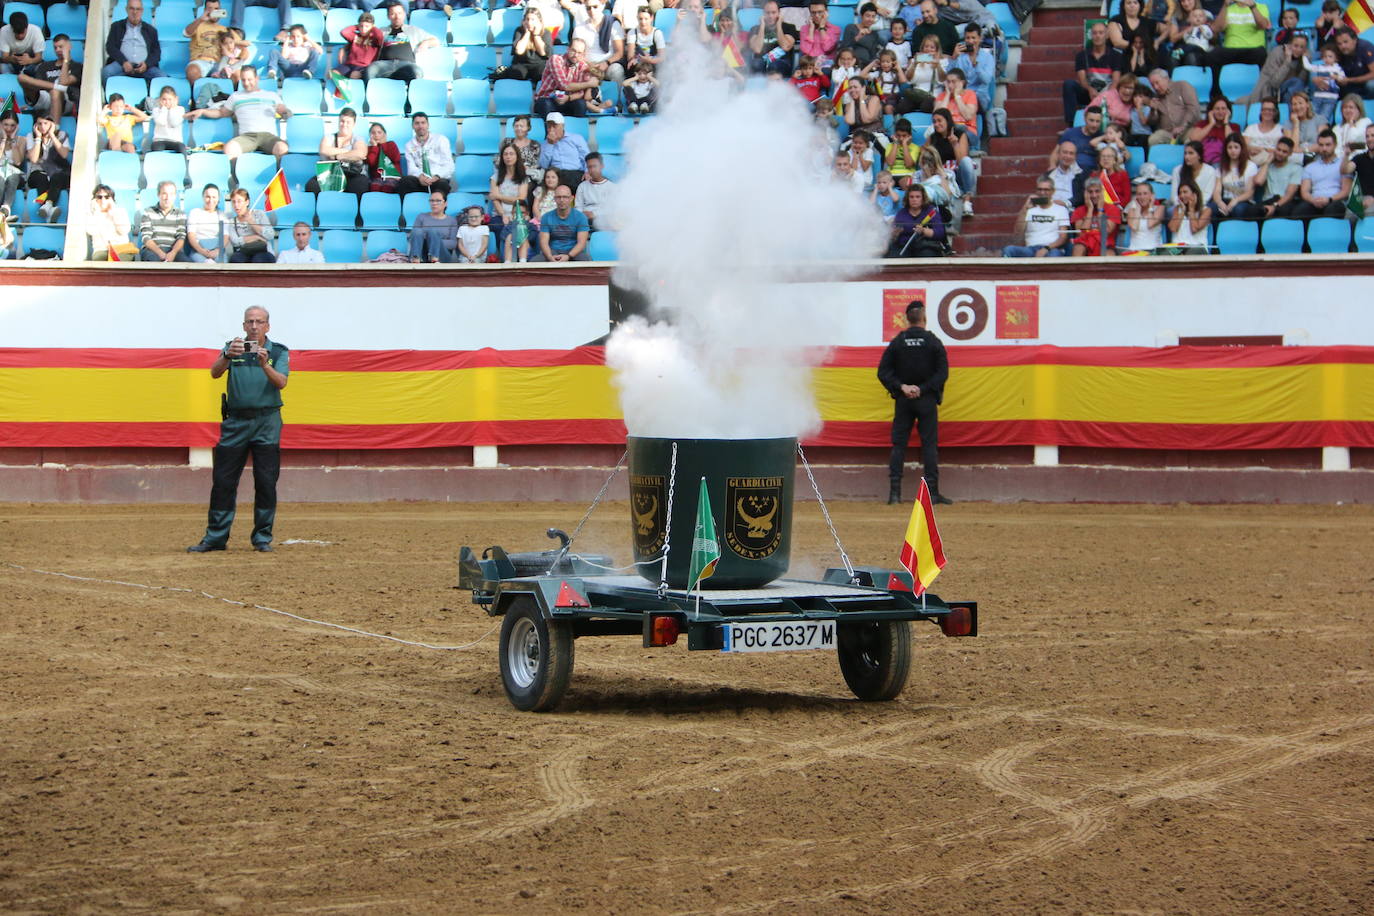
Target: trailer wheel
536, 657
875, 657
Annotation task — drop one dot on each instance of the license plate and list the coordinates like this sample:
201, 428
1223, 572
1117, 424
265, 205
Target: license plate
777, 636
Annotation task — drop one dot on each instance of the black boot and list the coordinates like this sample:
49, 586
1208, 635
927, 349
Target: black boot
894, 493
939, 500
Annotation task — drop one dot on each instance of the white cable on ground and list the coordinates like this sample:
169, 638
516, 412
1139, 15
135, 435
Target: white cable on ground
260, 607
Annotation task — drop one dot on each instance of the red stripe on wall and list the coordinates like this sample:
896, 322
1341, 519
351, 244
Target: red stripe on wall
310, 360
1313, 434
1122, 357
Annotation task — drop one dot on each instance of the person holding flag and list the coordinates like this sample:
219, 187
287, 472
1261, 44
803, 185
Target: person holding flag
1096, 220
914, 369
383, 161
248, 232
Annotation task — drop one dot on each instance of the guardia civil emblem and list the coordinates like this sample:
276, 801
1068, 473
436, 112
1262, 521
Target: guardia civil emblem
648, 514
753, 516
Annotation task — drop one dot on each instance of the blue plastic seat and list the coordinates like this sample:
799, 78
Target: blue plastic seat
613, 167
380, 241
397, 127
1166, 157
504, 22
748, 18
380, 210
610, 92
472, 97
118, 170
580, 126
842, 16
341, 246
175, 56
205, 131
300, 210
610, 135
304, 133
1006, 20
386, 96
337, 210
164, 166
1199, 77
446, 128
511, 98
1326, 235
602, 247
413, 205
1364, 235
63, 18
436, 63
1237, 79
337, 19
134, 89
1282, 236
299, 168
33, 11
475, 61
178, 83
313, 20
1236, 236
472, 173
208, 168
252, 171
481, 136
51, 238
432, 21
261, 24
468, 27
429, 96
302, 96
665, 20
459, 201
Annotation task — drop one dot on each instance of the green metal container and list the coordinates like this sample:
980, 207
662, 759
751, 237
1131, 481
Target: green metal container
750, 484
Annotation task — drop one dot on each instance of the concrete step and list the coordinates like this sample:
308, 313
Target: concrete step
1051, 72
1019, 108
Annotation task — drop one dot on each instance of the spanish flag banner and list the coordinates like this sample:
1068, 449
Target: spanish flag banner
277, 194
733, 59
1359, 15
923, 555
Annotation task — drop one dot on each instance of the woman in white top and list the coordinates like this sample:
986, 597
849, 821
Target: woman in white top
108, 226
509, 188
168, 117
1145, 218
1203, 176
205, 228
1262, 136
1233, 196
1188, 225
928, 67
1350, 131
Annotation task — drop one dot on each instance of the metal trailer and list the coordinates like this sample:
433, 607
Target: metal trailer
549, 599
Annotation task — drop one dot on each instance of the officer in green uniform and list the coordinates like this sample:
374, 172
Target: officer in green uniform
251, 407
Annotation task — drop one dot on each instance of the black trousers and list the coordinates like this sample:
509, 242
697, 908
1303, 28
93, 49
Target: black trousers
924, 414
229, 462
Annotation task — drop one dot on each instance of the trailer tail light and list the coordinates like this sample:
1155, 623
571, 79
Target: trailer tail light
664, 630
896, 583
570, 597
961, 620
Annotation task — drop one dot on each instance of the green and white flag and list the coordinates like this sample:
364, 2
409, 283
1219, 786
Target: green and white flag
329, 173
705, 547
1355, 202
386, 168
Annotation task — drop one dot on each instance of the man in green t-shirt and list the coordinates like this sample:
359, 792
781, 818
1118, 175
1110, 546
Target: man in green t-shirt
1241, 25
251, 408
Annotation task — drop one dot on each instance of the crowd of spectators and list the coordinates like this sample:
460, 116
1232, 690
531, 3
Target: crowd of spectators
1154, 143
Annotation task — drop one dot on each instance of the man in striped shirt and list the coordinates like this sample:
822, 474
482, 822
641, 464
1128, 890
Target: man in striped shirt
162, 229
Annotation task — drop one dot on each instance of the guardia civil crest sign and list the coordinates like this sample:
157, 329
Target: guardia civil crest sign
648, 514
753, 516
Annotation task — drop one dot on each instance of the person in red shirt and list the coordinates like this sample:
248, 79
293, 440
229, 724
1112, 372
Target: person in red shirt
1213, 130
1087, 220
809, 80
1113, 176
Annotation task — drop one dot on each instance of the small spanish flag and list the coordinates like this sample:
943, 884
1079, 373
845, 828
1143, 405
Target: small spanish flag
277, 194
41, 199
837, 97
111, 254
923, 555
733, 59
1359, 15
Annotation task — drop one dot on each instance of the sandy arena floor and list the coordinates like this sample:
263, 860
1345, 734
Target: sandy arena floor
1170, 710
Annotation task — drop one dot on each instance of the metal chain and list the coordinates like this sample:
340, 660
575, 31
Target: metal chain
844, 557
588, 514
668, 521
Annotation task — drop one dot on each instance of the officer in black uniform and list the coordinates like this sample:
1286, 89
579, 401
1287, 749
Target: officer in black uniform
913, 370
251, 408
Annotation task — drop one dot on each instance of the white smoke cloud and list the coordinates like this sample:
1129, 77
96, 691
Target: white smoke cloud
726, 210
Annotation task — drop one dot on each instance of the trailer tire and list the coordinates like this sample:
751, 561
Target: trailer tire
875, 657
536, 657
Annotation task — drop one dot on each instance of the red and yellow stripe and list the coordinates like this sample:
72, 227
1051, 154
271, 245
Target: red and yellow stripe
1169, 398
1359, 15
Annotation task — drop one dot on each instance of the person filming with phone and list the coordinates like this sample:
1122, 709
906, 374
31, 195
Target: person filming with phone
251, 410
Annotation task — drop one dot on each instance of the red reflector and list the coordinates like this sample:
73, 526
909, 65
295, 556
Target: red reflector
896, 583
570, 597
958, 622
664, 631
